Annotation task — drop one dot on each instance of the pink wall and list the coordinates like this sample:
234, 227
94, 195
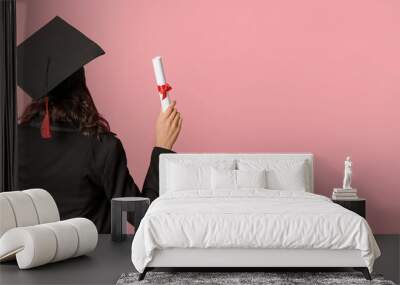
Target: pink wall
254, 76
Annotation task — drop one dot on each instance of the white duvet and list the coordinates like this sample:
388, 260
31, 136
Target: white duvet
251, 218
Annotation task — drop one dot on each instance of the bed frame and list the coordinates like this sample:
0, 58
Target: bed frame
242, 259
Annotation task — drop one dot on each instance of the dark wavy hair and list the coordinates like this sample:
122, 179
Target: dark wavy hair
70, 102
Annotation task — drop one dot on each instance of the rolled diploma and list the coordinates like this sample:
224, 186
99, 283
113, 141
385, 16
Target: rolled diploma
160, 80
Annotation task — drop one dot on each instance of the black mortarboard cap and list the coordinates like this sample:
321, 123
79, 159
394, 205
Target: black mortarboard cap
51, 55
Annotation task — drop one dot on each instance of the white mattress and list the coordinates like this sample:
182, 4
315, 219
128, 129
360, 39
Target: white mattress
252, 219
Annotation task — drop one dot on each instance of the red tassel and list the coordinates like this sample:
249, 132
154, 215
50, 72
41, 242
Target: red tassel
45, 127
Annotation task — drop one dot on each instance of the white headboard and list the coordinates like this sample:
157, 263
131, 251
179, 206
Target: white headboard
306, 157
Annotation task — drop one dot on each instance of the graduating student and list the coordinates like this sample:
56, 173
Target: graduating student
65, 145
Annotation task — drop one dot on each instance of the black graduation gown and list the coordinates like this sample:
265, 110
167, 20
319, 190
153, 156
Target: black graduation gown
82, 173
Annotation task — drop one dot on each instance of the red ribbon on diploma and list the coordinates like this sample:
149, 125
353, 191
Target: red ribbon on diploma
163, 89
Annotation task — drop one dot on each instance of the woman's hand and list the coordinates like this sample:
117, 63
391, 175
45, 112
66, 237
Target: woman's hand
168, 127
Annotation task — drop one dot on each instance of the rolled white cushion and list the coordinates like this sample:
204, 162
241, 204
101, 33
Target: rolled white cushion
23, 208
87, 235
67, 240
45, 205
7, 218
33, 246
40, 244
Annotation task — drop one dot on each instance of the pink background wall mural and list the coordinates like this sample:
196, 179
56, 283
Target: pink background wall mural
253, 76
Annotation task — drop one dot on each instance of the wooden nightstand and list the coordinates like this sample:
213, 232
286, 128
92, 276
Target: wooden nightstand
357, 206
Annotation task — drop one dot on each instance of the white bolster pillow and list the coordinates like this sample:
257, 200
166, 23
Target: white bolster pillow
87, 235
40, 244
23, 208
32, 246
45, 206
67, 240
7, 219
26, 208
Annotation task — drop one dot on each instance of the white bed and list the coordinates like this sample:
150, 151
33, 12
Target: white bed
197, 222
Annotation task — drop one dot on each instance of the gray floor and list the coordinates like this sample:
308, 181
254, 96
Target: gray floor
110, 260
389, 262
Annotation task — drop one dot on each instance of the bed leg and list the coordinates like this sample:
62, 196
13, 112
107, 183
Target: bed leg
365, 272
143, 274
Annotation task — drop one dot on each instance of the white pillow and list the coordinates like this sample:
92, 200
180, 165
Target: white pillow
223, 179
237, 179
285, 174
187, 177
251, 178
184, 175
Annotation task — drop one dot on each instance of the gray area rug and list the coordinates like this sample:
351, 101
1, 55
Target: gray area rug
269, 278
